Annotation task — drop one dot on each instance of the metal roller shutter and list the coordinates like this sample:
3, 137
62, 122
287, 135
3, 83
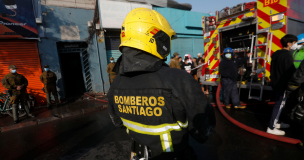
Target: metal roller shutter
113, 53
112, 43
112, 40
23, 54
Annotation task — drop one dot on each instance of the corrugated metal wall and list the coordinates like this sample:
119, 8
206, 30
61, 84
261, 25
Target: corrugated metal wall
113, 53
24, 55
191, 46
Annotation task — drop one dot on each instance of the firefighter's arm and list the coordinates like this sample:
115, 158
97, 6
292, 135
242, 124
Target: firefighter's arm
111, 110
243, 60
6, 83
200, 113
224, 70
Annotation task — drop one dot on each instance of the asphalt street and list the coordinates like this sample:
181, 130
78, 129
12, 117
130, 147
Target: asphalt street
92, 136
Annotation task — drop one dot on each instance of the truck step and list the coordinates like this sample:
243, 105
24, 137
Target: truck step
259, 58
261, 31
263, 44
256, 84
253, 97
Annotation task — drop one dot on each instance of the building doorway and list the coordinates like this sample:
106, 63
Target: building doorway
71, 70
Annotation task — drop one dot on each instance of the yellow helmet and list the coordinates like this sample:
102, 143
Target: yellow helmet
147, 30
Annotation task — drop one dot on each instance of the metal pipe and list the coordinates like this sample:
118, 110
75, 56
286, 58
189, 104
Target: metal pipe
251, 49
270, 47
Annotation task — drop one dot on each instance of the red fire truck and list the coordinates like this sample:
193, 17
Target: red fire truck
255, 27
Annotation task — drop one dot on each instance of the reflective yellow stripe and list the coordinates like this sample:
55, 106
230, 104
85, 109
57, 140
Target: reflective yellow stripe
165, 142
183, 125
170, 142
162, 130
162, 143
153, 129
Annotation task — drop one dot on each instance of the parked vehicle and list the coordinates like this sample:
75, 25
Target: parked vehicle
6, 107
255, 27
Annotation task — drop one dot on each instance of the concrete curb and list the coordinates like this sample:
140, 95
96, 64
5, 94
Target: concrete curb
49, 119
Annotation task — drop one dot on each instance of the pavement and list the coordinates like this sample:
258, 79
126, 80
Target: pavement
92, 136
43, 114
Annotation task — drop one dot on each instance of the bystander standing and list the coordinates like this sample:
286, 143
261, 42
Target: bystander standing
187, 65
281, 71
174, 62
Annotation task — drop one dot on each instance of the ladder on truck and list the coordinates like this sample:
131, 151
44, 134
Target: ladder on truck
255, 59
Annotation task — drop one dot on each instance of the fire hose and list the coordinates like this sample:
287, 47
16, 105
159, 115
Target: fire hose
250, 129
95, 98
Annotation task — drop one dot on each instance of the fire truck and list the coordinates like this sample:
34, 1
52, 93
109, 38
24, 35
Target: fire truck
254, 27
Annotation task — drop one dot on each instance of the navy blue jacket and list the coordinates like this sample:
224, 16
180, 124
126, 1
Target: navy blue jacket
229, 68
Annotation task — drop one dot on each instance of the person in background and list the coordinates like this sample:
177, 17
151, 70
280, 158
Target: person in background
189, 58
174, 62
180, 61
281, 71
187, 65
201, 74
228, 69
199, 70
110, 67
194, 72
298, 51
199, 57
16, 84
49, 78
298, 46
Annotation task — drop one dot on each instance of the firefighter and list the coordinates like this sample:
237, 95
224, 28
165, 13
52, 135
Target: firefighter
110, 67
159, 106
175, 62
16, 84
49, 78
228, 69
298, 51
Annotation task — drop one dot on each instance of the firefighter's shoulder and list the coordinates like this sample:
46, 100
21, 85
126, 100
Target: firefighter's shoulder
175, 73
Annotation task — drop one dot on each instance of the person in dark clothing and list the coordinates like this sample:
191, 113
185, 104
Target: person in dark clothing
228, 69
158, 106
187, 65
281, 71
180, 61
296, 83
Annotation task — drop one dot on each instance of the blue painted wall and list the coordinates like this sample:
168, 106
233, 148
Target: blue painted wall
55, 17
188, 27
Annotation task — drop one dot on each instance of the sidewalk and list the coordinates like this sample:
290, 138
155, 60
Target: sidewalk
44, 115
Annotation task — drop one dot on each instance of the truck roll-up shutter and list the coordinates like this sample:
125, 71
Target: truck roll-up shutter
24, 55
